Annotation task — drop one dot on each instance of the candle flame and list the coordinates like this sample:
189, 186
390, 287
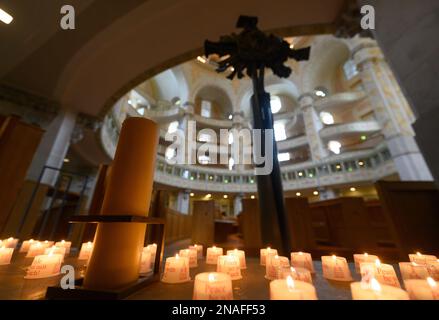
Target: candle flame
290, 283
334, 257
419, 254
375, 285
431, 282
214, 247
177, 256
236, 250
300, 252
276, 257
10, 239
195, 245
366, 254
377, 263
414, 264
211, 277
268, 248
293, 270
31, 240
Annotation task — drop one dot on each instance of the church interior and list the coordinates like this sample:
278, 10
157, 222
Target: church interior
98, 121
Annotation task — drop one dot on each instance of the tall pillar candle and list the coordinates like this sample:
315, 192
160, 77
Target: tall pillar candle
145, 261
115, 264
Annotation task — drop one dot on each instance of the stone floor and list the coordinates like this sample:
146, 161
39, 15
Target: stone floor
253, 286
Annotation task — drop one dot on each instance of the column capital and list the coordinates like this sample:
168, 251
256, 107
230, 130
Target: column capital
306, 99
366, 50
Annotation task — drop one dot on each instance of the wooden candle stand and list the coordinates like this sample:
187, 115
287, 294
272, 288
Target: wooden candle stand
81, 293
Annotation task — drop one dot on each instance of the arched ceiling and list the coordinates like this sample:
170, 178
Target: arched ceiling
119, 44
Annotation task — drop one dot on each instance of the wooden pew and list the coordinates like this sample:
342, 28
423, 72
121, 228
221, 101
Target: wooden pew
412, 212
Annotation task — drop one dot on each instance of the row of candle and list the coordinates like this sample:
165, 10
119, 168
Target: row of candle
379, 281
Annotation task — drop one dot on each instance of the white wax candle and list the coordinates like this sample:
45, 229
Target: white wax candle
153, 249
145, 261
212, 255
64, 244
433, 269
266, 252
229, 265
302, 260
383, 273
213, 286
412, 270
376, 291
48, 243
419, 289
192, 255
300, 274
272, 265
5, 255
10, 243
26, 244
241, 256
361, 258
86, 250
56, 250
44, 266
199, 249
336, 268
289, 289
420, 258
35, 249
176, 270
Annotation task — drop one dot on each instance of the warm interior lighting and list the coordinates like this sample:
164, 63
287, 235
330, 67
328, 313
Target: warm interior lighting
375, 285
192, 194
431, 282
5, 17
201, 59
177, 256
361, 163
208, 195
283, 157
211, 277
252, 197
363, 138
230, 117
316, 193
334, 257
66, 160
225, 196
300, 174
290, 283
419, 254
173, 126
300, 253
320, 93
298, 194
326, 118
353, 189
377, 263
366, 254
334, 146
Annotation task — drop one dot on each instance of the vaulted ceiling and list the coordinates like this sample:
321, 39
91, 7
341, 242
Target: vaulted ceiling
119, 44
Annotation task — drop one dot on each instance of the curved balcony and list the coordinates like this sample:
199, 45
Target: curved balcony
340, 100
212, 123
349, 129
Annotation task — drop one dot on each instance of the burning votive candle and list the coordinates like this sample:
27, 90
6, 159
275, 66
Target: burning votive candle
199, 249
10, 243
48, 243
266, 252
26, 244
289, 289
56, 250
273, 263
192, 255
86, 250
241, 256
153, 249
145, 261
230, 265
5, 255
35, 249
383, 273
45, 266
336, 268
422, 289
412, 270
176, 270
420, 258
302, 260
300, 274
433, 269
361, 258
65, 244
213, 286
373, 290
212, 255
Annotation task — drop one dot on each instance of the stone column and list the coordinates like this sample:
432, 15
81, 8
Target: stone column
313, 125
391, 111
53, 148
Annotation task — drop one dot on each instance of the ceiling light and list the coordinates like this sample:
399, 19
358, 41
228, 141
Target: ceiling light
292, 46
5, 17
225, 196
353, 189
334, 146
173, 126
275, 104
230, 117
130, 102
316, 193
300, 174
208, 195
252, 197
231, 163
326, 118
192, 194
320, 93
363, 138
66, 160
298, 194
283, 157
361, 163
170, 153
